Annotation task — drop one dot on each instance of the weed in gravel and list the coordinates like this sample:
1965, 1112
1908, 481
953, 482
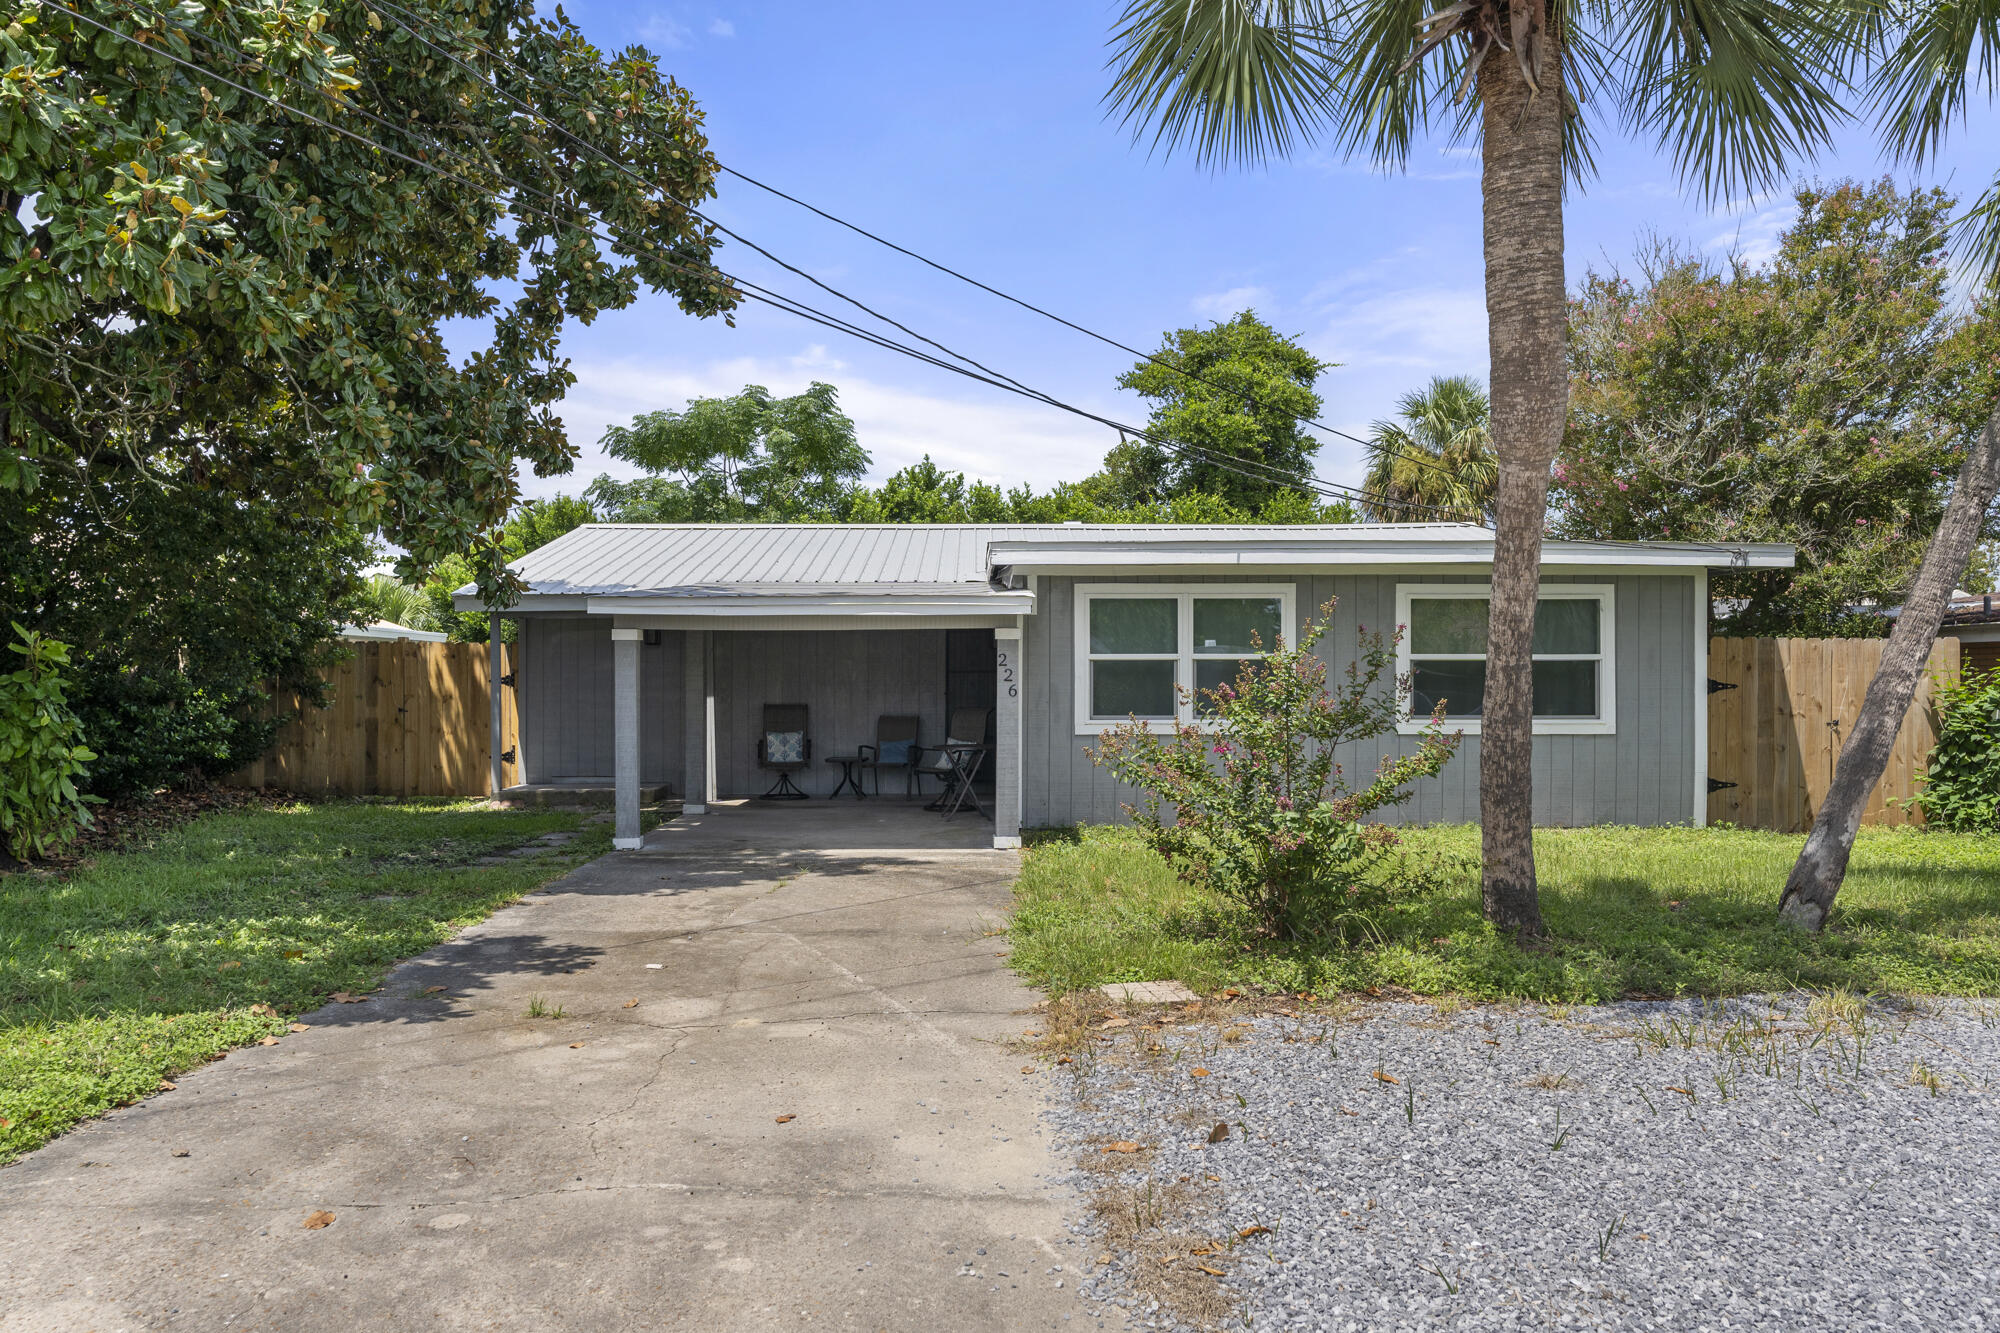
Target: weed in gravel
1648, 1099
1547, 1082
1410, 1105
1451, 1284
1606, 1236
1171, 1258
540, 1008
1562, 1133
1923, 1076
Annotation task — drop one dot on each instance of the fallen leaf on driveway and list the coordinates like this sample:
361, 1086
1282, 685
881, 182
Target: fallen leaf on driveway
346, 997
180, 1152
1064, 1060
1386, 1078
1027, 1069
575, 1045
318, 1220
1124, 1145
1220, 1132
433, 990
298, 1027
1247, 1232
167, 1086
632, 1003
786, 1119
262, 1009
1212, 1272
1197, 1072
1114, 1023
268, 1041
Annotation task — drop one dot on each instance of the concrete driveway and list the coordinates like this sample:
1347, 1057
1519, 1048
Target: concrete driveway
614, 1165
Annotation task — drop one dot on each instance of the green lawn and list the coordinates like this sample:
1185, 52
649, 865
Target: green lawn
145, 963
1630, 912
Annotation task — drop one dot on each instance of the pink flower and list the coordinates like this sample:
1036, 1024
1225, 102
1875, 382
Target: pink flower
1860, 522
1623, 487
1284, 802
1222, 747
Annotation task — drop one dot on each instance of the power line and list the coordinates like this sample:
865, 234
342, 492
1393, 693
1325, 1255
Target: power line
1227, 462
408, 18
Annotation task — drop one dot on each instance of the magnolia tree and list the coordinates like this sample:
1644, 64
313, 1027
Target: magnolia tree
1254, 804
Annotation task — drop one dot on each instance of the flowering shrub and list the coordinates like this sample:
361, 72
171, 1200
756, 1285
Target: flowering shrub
1258, 808
42, 754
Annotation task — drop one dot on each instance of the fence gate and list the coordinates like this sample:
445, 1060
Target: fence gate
1778, 712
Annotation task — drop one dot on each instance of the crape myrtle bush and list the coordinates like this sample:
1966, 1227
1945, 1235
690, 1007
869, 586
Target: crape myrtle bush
1961, 791
1256, 807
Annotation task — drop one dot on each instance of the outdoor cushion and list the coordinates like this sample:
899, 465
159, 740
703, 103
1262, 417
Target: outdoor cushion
894, 752
785, 747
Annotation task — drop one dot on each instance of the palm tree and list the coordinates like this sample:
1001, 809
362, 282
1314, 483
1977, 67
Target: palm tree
385, 597
1924, 55
1438, 456
1735, 90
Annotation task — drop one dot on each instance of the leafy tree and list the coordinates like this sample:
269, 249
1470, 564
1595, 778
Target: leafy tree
746, 458
1823, 398
1236, 389
387, 599
1961, 787
208, 285
42, 754
1922, 55
1437, 455
923, 492
1257, 809
533, 524
1735, 92
181, 606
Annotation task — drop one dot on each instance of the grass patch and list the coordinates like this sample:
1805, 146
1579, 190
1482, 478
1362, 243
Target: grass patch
148, 962
1630, 911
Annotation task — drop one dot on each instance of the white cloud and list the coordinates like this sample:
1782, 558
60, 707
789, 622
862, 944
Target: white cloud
1755, 226
1418, 332
664, 32
1221, 305
721, 28
983, 435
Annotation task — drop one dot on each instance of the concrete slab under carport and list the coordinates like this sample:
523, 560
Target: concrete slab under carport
615, 1168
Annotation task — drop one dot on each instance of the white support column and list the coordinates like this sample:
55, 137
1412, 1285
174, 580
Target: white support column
497, 777
698, 719
1008, 684
1701, 697
625, 734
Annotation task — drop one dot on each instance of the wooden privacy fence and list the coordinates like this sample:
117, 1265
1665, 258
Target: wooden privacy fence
404, 719
1786, 707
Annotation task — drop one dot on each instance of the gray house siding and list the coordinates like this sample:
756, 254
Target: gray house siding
1642, 774
846, 678
566, 702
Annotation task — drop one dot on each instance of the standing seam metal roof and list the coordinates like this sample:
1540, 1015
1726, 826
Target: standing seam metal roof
618, 559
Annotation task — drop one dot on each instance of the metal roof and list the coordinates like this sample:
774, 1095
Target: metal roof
870, 564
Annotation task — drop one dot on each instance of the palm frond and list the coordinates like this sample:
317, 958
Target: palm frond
1926, 62
1737, 92
1235, 80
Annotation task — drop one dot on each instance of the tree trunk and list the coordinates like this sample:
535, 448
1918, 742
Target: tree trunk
1822, 864
1522, 189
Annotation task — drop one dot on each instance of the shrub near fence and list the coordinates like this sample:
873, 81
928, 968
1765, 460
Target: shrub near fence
405, 719
1776, 735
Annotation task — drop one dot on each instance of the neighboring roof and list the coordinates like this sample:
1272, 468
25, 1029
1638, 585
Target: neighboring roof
1973, 609
779, 568
389, 629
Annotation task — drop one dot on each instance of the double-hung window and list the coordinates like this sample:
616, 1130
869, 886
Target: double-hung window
1443, 653
1139, 644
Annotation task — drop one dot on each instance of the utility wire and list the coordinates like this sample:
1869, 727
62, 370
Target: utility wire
799, 309
408, 18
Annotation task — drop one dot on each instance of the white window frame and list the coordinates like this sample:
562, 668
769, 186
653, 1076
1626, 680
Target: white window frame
1186, 593
1605, 594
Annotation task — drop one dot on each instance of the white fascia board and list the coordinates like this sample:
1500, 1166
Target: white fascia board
464, 601
1051, 556
984, 604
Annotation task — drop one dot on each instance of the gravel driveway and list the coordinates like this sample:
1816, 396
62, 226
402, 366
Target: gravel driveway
1774, 1162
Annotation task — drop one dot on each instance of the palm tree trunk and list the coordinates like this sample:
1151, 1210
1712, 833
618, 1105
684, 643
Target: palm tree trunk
1822, 864
1525, 321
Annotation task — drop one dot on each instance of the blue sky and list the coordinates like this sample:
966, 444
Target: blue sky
976, 135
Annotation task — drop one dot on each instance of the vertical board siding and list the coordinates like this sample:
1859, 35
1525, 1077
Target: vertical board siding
847, 679
1642, 774
1777, 736
402, 719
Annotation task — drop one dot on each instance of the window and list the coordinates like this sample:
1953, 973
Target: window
1138, 643
1443, 653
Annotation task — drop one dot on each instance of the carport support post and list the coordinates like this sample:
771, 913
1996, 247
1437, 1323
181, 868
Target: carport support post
495, 691
698, 768
625, 734
1007, 738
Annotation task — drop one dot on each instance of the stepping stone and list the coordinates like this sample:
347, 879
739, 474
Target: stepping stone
1149, 992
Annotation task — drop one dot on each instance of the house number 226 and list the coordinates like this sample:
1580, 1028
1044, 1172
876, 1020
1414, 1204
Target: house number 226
1007, 676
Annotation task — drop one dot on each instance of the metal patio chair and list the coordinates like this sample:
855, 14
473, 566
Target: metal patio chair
895, 747
949, 763
784, 748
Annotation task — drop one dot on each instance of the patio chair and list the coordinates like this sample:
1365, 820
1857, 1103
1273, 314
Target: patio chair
967, 731
895, 747
784, 748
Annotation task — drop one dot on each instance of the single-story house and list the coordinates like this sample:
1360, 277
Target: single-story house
388, 631
645, 654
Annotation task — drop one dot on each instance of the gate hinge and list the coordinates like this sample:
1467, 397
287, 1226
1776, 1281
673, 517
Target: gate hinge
1718, 686
508, 680
506, 756
1717, 784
